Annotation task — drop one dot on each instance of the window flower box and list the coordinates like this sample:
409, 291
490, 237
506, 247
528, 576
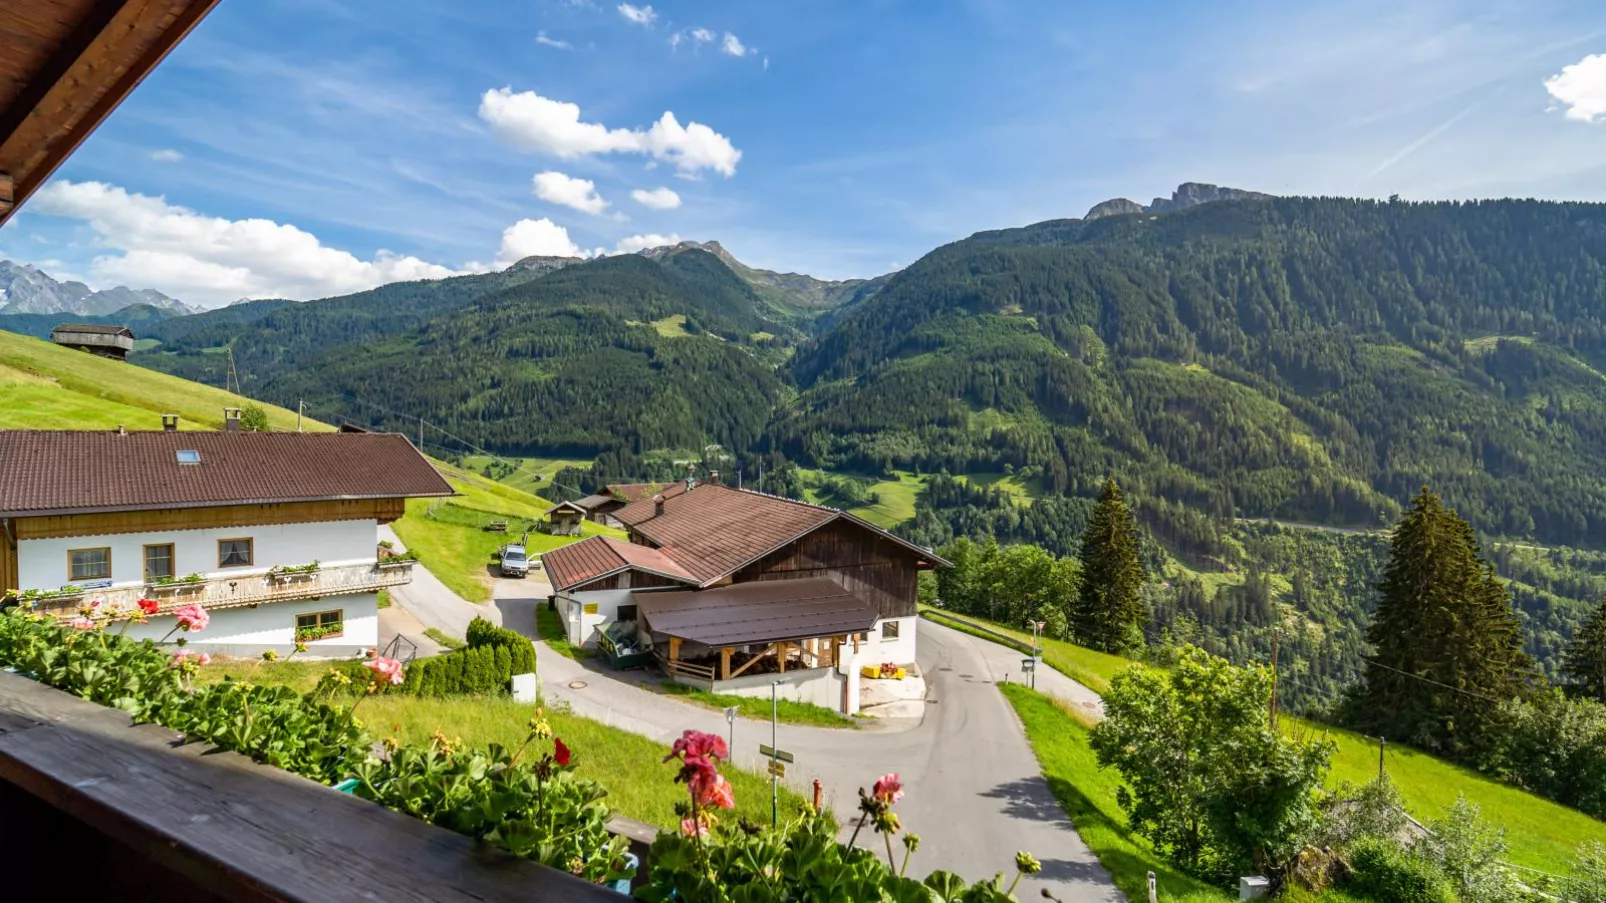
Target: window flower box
283, 573
175, 585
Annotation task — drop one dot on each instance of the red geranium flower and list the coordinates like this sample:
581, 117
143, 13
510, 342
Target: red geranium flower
561, 753
149, 606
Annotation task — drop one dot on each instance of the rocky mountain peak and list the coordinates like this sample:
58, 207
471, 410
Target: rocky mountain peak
1188, 194
26, 289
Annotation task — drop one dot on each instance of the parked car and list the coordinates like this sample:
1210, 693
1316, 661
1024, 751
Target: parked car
514, 562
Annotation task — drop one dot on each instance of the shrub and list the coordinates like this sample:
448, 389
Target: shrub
521, 651
1588, 884
1467, 850
1385, 871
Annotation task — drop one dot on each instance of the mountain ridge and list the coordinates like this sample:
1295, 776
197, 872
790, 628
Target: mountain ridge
1188, 194
26, 289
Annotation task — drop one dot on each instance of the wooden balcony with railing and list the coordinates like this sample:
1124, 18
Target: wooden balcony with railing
231, 590
94, 808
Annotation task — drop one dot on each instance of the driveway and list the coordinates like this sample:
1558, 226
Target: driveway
974, 793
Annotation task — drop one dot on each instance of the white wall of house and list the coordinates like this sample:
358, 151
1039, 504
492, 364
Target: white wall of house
43, 563
899, 650
817, 686
584, 628
248, 631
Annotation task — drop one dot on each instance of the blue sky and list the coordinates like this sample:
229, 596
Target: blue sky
311, 147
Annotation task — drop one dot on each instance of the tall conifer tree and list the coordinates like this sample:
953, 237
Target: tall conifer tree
1584, 664
1108, 612
1448, 643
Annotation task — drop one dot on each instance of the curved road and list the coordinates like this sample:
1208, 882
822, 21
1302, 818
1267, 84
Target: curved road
974, 793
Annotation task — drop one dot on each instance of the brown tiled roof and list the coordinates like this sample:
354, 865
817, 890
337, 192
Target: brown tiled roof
78, 471
765, 611
599, 556
714, 530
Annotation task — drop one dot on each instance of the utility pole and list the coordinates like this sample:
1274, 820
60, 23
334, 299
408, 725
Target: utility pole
1382, 744
300, 404
1272, 712
775, 778
420, 433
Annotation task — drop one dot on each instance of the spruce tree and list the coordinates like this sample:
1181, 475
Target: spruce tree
1584, 664
1108, 613
1448, 643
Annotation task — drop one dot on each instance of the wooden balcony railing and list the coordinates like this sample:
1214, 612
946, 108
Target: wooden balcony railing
230, 590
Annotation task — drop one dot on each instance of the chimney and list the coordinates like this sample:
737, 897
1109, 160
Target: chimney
713, 477
658, 506
231, 420
169, 423
121, 431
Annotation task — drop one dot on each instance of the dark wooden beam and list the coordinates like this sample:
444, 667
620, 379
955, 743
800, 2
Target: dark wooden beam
7, 192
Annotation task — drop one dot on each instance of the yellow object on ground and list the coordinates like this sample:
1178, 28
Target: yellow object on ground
874, 671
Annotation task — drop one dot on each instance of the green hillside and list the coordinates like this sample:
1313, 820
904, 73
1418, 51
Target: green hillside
45, 386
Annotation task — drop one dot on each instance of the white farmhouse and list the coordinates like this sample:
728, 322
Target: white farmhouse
274, 534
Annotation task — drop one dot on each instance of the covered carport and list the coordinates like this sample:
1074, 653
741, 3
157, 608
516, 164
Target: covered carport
718, 636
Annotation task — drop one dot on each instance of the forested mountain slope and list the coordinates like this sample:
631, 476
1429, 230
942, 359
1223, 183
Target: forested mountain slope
274, 338
1311, 359
622, 352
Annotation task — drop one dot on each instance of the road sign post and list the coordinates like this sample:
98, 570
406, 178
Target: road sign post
775, 779
730, 721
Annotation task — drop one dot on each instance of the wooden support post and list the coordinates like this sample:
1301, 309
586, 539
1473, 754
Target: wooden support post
780, 658
725, 663
674, 648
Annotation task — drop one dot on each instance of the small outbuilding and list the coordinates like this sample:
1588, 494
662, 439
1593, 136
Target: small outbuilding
105, 341
564, 519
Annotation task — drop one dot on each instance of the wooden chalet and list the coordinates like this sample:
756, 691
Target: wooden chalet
722, 583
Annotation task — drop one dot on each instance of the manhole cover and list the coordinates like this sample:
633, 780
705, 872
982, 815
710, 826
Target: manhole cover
577, 685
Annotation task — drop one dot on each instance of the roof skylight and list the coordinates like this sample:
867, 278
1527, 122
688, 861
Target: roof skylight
188, 456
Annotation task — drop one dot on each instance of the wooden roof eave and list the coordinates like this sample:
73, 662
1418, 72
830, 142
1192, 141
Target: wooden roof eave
84, 62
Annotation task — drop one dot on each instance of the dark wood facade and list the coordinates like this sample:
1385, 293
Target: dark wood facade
638, 580
863, 562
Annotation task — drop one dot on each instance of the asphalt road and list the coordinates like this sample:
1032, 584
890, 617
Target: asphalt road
974, 793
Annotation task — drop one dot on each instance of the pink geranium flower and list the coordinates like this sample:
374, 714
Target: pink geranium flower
83, 624
691, 827
696, 744
203, 659
888, 789
385, 668
716, 792
149, 606
192, 618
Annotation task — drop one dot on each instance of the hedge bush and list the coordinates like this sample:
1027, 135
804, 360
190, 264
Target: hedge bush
494, 654
1386, 871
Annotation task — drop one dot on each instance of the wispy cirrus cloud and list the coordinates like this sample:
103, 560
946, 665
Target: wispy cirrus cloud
639, 15
546, 40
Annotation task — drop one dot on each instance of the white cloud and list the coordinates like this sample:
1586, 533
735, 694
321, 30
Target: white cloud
634, 243
675, 39
545, 41
581, 194
657, 199
702, 35
535, 237
210, 260
530, 122
166, 155
1581, 88
733, 45
640, 15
